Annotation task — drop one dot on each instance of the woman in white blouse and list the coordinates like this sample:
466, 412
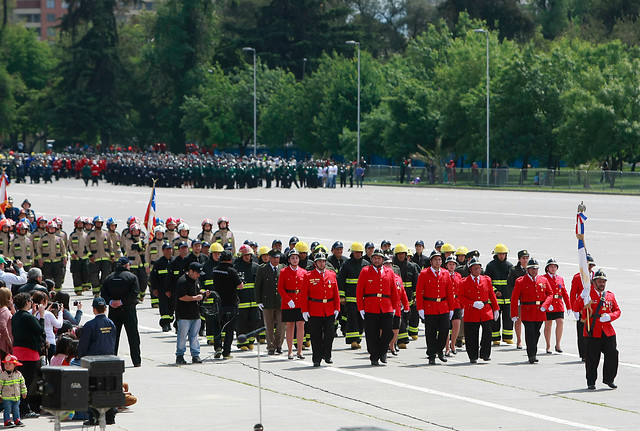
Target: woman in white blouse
53, 318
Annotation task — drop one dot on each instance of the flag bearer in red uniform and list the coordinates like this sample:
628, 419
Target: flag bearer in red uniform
560, 298
481, 308
435, 304
599, 335
320, 307
535, 296
290, 288
376, 296
576, 289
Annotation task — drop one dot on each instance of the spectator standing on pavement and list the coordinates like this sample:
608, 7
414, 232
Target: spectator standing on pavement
188, 313
359, 175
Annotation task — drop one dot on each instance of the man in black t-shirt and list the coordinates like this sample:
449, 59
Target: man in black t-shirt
188, 313
226, 282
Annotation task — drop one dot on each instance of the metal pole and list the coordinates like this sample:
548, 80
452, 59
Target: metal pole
358, 44
255, 107
488, 167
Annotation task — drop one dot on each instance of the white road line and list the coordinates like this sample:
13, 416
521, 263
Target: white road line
573, 355
469, 400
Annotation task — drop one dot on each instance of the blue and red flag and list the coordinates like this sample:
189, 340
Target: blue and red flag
150, 215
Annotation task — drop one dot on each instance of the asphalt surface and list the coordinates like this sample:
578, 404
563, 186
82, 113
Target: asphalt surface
506, 393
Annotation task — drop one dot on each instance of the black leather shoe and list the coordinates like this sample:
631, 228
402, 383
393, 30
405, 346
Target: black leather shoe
432, 361
486, 359
591, 387
383, 358
533, 360
611, 385
279, 351
474, 361
441, 357
196, 360
271, 352
329, 361
316, 364
375, 363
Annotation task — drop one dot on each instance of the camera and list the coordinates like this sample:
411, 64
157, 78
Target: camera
76, 303
55, 305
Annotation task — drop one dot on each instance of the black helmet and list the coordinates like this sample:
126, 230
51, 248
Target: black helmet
293, 252
378, 252
337, 244
434, 253
473, 261
313, 245
293, 240
320, 256
385, 242
439, 243
451, 258
419, 242
599, 275
533, 264
369, 245
551, 261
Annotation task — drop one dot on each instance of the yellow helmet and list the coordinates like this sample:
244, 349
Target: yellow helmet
447, 247
357, 246
216, 247
500, 248
462, 250
263, 250
302, 247
320, 248
400, 248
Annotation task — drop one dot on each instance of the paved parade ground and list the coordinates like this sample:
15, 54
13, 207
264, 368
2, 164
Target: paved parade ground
507, 393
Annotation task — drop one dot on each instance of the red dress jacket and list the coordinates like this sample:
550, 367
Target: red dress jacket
376, 292
290, 286
434, 294
321, 293
560, 295
532, 294
403, 301
470, 292
456, 279
609, 306
576, 289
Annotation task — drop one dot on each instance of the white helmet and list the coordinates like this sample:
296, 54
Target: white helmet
183, 226
159, 228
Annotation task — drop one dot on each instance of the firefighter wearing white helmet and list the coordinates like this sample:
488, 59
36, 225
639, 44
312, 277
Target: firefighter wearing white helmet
498, 270
99, 255
51, 255
183, 236
248, 318
224, 235
347, 281
153, 252
134, 249
79, 250
409, 272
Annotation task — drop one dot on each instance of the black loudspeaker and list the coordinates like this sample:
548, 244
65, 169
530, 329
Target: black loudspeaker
105, 380
65, 388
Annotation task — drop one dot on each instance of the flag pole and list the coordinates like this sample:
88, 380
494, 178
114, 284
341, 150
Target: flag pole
580, 236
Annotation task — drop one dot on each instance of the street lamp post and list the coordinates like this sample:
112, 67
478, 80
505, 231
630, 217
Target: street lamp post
304, 66
255, 103
357, 44
480, 30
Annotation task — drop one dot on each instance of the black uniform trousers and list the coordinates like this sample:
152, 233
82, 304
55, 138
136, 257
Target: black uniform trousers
436, 329
54, 271
471, 330
166, 308
531, 337
143, 278
378, 330
580, 330
98, 272
80, 274
355, 324
126, 316
414, 318
322, 333
594, 346
507, 324
248, 320
228, 326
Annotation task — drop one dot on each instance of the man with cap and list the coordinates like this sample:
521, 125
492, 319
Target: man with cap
498, 270
385, 246
227, 282
419, 257
248, 312
480, 309
369, 247
560, 299
180, 265
347, 282
269, 301
161, 284
188, 299
534, 295
435, 304
376, 296
120, 291
438, 245
515, 273
599, 308
320, 307
196, 254
576, 289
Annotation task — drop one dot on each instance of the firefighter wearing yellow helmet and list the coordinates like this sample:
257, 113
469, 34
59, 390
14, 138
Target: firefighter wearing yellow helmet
347, 282
409, 272
498, 270
248, 317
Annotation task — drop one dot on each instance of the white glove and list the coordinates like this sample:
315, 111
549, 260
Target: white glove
261, 306
543, 309
450, 314
305, 316
551, 308
462, 312
478, 304
568, 313
362, 314
496, 315
421, 314
577, 315
605, 318
291, 304
335, 313
514, 318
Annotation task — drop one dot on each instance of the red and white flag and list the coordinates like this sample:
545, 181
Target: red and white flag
4, 183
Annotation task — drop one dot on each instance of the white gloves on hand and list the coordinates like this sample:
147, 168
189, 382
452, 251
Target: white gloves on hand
450, 314
569, 313
462, 312
291, 304
551, 308
362, 314
577, 315
335, 313
605, 318
496, 315
421, 314
478, 304
543, 309
261, 306
305, 316
514, 318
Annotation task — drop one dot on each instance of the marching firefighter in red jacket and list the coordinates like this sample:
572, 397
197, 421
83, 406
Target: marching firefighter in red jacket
322, 305
535, 296
599, 335
376, 296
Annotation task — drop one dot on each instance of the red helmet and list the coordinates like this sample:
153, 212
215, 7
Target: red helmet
5, 222
23, 225
58, 220
170, 220
245, 249
78, 220
87, 220
52, 224
178, 221
207, 221
134, 226
133, 219
223, 219
41, 218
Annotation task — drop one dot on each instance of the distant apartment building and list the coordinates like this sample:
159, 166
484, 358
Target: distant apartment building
42, 16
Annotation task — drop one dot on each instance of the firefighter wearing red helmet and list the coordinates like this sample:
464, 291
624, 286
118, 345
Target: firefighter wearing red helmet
41, 229
223, 235
51, 255
207, 231
21, 246
134, 249
5, 235
171, 225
